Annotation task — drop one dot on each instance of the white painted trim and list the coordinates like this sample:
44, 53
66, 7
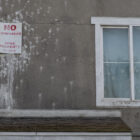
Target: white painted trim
85, 134
99, 64
64, 134
122, 103
117, 62
115, 27
115, 21
17, 133
101, 22
132, 88
60, 113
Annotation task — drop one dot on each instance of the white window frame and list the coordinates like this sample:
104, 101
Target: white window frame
111, 22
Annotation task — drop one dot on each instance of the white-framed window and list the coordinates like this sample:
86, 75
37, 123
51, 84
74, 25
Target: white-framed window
117, 48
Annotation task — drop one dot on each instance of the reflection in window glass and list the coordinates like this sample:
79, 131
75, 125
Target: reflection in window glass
115, 45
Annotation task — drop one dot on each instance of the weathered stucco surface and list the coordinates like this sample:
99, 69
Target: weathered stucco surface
56, 69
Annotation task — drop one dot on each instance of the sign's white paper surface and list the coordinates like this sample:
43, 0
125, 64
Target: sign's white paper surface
10, 38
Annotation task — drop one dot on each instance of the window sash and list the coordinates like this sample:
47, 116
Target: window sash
131, 56
131, 53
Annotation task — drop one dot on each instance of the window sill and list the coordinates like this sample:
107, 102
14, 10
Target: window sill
118, 103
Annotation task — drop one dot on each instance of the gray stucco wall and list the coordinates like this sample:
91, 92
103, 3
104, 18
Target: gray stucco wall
56, 69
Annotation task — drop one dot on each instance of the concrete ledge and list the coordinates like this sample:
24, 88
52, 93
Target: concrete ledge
64, 136
61, 134
60, 113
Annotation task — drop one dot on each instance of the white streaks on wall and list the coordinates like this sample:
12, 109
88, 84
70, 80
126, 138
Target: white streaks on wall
39, 98
52, 78
46, 54
49, 9
53, 105
21, 81
1, 9
64, 58
57, 60
50, 31
19, 1
32, 14
10, 63
6, 87
5, 100
65, 90
57, 29
65, 3
38, 11
71, 84
36, 39
41, 68
56, 41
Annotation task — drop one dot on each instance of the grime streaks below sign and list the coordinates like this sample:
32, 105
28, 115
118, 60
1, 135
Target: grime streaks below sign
10, 38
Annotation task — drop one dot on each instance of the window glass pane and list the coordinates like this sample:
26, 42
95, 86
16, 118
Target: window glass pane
136, 45
137, 80
116, 80
136, 39
116, 63
115, 44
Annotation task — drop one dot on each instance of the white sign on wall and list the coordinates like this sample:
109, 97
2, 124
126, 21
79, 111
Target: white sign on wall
10, 38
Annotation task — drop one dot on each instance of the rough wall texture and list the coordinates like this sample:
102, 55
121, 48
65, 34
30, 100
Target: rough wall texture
56, 69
